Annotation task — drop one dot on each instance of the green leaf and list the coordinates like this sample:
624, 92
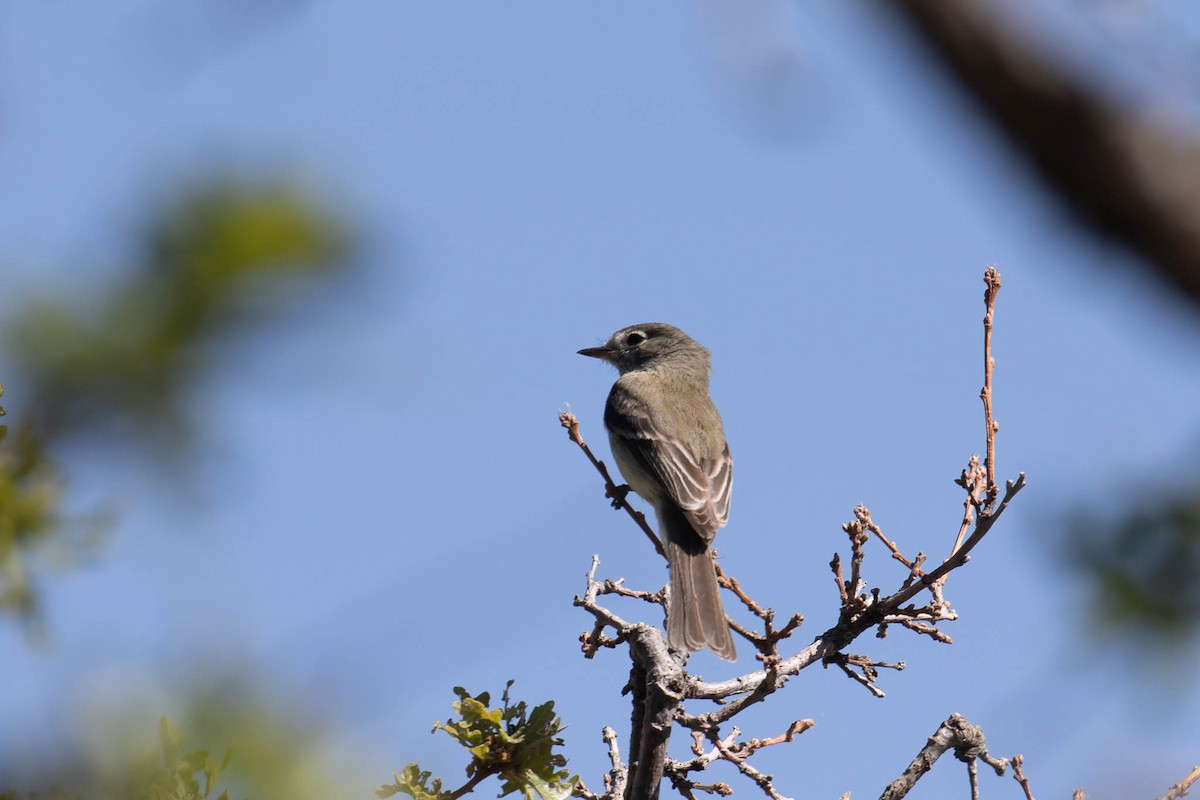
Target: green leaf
414, 782
512, 742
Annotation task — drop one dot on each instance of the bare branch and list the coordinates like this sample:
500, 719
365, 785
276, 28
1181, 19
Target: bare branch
1181, 789
955, 733
868, 670
836, 566
611, 490
761, 779
992, 278
614, 780
863, 514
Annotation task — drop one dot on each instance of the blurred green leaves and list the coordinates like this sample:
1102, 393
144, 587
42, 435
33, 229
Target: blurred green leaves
29, 500
207, 261
168, 774
1143, 568
258, 745
174, 774
280, 745
223, 253
511, 742
32, 525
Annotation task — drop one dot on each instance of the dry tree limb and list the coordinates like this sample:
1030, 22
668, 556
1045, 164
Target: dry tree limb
968, 743
1181, 789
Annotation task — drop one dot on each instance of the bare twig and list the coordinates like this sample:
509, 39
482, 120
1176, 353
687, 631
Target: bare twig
1018, 761
973, 479
960, 556
836, 566
868, 669
611, 490
858, 537
604, 618
795, 729
614, 780
731, 747
767, 643
761, 779
1181, 789
924, 629
731, 583
992, 278
864, 517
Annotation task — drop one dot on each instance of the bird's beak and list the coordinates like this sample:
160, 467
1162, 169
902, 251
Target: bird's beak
597, 352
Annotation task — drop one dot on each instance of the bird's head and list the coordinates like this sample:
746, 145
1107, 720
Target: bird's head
647, 345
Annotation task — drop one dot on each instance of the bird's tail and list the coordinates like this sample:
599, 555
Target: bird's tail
696, 617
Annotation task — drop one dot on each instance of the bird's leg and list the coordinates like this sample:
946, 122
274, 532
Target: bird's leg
618, 494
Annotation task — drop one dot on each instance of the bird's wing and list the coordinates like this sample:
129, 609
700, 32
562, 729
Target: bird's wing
699, 486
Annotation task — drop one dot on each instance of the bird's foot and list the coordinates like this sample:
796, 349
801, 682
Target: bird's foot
618, 494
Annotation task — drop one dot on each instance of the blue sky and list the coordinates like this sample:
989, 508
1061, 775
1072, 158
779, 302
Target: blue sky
384, 491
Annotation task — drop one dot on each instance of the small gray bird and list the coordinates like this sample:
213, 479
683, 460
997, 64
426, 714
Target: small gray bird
668, 440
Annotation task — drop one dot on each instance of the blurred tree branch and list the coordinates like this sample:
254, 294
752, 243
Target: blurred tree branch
1126, 175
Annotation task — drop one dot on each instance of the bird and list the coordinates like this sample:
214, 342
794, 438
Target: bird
669, 443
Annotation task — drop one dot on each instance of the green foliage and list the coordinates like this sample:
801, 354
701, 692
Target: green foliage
279, 744
206, 262
127, 356
1143, 568
173, 774
31, 522
169, 774
281, 749
510, 742
413, 781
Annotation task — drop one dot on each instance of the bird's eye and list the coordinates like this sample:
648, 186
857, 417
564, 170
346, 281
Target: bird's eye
634, 339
